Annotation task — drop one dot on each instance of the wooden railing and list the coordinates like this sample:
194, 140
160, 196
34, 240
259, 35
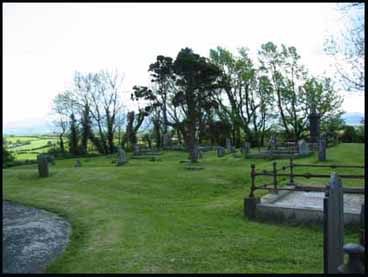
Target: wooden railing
275, 173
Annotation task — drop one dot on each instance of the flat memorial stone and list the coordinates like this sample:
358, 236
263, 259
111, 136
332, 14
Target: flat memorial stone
32, 238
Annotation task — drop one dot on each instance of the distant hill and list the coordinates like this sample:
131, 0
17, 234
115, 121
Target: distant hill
352, 118
28, 127
40, 126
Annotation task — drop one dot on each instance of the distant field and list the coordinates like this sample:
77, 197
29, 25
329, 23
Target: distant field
36, 145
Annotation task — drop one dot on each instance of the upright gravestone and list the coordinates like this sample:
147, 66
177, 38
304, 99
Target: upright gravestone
220, 151
228, 145
333, 208
136, 150
43, 166
121, 157
166, 140
273, 143
200, 153
51, 159
246, 147
303, 147
322, 148
77, 163
197, 153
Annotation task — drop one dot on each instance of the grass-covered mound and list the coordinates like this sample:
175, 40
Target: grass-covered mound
159, 217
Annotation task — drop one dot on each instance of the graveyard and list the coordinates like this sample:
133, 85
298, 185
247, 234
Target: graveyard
149, 216
183, 138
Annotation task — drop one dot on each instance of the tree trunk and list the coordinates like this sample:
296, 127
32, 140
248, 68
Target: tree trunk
62, 149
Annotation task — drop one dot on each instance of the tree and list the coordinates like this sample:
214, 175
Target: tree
73, 136
196, 79
162, 72
348, 48
98, 96
152, 109
326, 101
7, 156
134, 123
349, 134
63, 105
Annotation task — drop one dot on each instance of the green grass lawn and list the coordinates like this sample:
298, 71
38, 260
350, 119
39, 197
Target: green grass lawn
159, 217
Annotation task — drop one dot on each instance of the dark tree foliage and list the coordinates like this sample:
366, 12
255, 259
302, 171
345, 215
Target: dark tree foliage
162, 73
7, 156
73, 136
85, 130
197, 81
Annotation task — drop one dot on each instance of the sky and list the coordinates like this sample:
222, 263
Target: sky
44, 44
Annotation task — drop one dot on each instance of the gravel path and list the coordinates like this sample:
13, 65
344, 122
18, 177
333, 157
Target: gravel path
32, 238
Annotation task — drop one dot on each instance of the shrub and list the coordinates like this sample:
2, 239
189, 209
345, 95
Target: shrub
349, 134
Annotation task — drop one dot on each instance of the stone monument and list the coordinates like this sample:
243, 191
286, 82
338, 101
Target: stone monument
121, 157
136, 150
43, 165
220, 151
314, 125
77, 163
228, 145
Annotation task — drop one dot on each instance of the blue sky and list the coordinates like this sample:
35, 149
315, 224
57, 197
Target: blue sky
43, 44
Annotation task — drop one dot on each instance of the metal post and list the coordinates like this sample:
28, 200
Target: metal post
325, 237
354, 264
291, 180
252, 176
274, 177
362, 226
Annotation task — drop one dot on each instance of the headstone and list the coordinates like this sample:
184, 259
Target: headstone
43, 166
333, 206
136, 150
166, 140
273, 143
51, 159
77, 163
197, 152
228, 145
121, 157
220, 151
303, 147
246, 147
322, 148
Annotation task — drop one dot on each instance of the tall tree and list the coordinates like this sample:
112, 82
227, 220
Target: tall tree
162, 73
196, 81
73, 136
62, 106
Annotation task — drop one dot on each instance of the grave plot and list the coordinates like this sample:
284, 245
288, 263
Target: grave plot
299, 202
284, 150
145, 154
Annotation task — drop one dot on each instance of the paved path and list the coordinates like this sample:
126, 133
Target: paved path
32, 238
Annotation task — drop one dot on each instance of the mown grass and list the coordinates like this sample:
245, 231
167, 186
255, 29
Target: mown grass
159, 217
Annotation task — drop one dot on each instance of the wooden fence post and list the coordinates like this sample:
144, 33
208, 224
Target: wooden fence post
291, 180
